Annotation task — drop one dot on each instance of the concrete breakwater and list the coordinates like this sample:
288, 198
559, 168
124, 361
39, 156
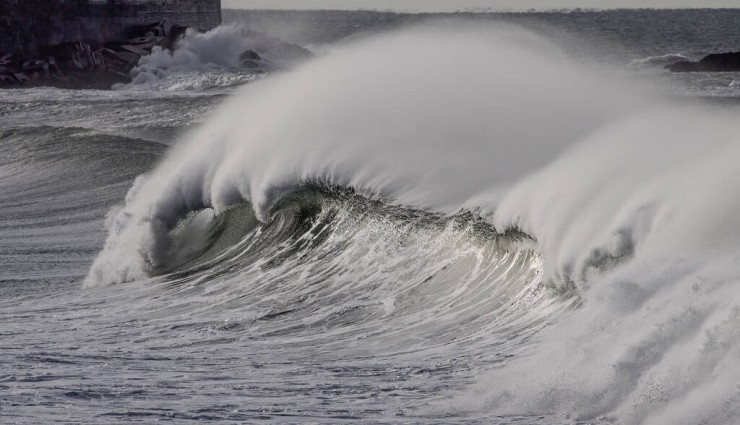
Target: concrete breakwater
88, 43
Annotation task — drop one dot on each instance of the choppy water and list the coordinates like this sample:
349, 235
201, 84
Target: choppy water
466, 221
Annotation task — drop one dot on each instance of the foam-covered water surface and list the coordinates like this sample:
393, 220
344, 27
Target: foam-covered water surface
456, 221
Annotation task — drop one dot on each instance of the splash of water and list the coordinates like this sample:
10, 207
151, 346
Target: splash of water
427, 117
212, 59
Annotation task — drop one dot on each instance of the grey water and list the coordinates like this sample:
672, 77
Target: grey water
158, 262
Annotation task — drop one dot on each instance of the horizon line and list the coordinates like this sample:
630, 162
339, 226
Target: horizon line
480, 10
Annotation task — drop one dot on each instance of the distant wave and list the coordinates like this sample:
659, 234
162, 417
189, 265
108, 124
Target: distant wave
660, 60
56, 186
39, 149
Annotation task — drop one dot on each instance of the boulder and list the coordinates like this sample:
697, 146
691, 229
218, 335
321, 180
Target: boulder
249, 59
176, 33
155, 29
250, 55
269, 53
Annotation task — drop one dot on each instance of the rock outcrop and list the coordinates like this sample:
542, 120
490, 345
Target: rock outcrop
71, 43
268, 53
77, 65
717, 62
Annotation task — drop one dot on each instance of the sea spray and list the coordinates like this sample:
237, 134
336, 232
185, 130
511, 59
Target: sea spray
641, 217
213, 59
428, 117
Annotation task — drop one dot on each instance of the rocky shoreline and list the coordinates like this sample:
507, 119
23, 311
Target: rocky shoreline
77, 65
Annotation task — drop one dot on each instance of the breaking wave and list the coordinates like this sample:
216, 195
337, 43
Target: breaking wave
212, 59
436, 176
660, 61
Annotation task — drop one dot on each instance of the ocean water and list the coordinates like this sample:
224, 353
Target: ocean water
465, 218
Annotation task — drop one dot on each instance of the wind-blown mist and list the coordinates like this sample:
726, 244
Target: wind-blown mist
641, 217
428, 117
630, 202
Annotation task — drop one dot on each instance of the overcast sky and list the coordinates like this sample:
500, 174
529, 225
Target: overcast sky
453, 5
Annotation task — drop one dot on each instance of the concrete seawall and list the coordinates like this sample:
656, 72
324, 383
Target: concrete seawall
28, 26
